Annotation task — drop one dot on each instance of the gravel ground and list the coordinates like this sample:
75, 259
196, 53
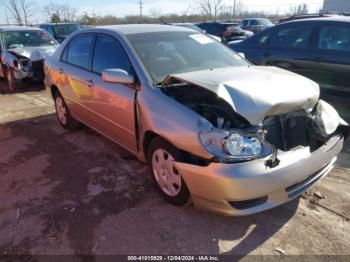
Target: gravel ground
77, 193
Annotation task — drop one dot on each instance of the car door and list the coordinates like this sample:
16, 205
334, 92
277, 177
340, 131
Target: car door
111, 105
254, 47
333, 58
291, 47
72, 73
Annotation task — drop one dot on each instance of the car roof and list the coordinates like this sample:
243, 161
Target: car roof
60, 24
322, 19
139, 29
220, 23
256, 18
18, 28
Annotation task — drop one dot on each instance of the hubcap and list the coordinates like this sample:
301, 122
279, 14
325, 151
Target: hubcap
61, 110
167, 176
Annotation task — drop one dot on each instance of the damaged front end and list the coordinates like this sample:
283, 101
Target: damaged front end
240, 137
27, 63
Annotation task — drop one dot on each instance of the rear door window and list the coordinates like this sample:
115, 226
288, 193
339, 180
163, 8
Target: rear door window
334, 38
79, 51
295, 36
109, 54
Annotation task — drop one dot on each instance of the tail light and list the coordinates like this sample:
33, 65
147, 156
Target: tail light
226, 33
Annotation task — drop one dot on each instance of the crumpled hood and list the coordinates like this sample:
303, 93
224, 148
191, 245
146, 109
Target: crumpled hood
34, 53
256, 92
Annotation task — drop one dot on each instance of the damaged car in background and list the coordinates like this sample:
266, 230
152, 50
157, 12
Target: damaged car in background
229, 136
22, 53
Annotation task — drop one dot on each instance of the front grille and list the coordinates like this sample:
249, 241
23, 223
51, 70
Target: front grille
38, 69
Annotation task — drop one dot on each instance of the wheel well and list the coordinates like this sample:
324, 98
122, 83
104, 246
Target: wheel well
4, 69
54, 89
147, 139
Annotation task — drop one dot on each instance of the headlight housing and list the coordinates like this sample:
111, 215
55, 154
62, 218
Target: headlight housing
24, 64
236, 145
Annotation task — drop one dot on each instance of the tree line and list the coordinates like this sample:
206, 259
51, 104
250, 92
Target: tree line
22, 13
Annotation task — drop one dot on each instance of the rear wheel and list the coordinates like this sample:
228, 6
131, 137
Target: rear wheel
161, 161
63, 114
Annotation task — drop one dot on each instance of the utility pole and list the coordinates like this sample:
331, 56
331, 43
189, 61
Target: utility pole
234, 8
141, 6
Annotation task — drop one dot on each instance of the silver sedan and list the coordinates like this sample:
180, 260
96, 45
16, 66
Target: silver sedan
231, 137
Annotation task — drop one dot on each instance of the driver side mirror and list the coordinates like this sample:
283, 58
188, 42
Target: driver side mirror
116, 75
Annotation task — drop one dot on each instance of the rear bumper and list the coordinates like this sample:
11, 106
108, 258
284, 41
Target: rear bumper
251, 187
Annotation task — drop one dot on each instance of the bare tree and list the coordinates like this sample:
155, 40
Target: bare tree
20, 10
62, 13
211, 8
155, 14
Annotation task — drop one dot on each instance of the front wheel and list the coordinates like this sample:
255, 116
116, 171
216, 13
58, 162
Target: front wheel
161, 158
12, 82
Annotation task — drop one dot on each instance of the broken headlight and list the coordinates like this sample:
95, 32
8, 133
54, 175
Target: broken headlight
326, 119
236, 146
24, 64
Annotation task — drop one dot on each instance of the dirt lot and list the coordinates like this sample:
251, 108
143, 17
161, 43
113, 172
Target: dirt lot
77, 193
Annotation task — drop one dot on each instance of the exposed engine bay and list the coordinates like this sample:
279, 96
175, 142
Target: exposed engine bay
207, 104
286, 132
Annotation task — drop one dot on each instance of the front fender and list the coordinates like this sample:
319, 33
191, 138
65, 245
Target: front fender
172, 121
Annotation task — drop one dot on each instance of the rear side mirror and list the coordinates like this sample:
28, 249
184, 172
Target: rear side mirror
119, 76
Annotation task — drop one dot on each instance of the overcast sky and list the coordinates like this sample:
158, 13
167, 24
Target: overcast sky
130, 7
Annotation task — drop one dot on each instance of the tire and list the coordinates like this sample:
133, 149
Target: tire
64, 117
160, 157
12, 83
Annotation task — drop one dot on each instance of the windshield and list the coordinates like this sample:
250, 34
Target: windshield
264, 22
18, 39
165, 53
66, 29
191, 26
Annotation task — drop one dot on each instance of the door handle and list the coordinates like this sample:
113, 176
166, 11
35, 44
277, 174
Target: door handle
90, 83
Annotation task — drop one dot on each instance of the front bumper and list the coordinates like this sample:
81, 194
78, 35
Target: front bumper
35, 72
251, 187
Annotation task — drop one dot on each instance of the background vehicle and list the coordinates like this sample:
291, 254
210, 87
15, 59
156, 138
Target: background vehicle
256, 25
60, 30
317, 48
299, 17
22, 53
226, 31
195, 27
209, 125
